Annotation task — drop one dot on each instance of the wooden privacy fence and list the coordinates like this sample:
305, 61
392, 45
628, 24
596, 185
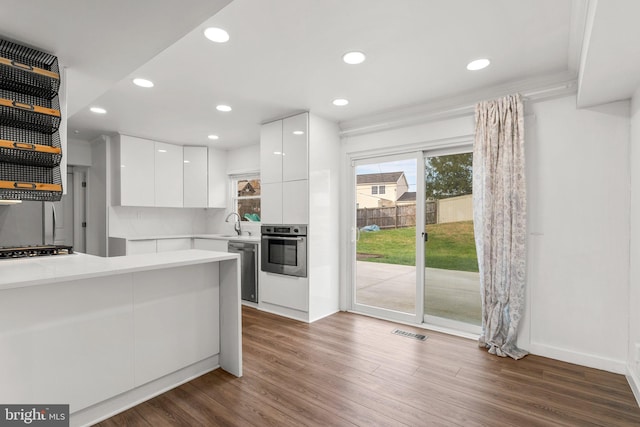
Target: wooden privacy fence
396, 216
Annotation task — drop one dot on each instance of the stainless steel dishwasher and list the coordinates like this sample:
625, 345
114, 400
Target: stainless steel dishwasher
248, 267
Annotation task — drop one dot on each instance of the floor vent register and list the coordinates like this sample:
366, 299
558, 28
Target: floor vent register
407, 334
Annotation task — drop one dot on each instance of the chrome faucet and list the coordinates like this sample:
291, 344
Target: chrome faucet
236, 226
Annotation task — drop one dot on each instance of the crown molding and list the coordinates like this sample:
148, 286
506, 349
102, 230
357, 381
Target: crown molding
536, 89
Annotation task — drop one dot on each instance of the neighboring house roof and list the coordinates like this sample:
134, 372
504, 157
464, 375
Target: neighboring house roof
407, 196
248, 188
383, 178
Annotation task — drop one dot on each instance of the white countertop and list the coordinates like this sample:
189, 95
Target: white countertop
22, 272
242, 238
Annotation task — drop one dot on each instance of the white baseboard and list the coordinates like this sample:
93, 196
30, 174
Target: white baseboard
584, 359
634, 383
122, 402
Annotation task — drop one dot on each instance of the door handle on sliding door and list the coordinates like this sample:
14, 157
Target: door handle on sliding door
425, 236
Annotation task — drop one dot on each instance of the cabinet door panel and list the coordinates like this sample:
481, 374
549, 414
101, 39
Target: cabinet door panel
137, 171
285, 291
271, 203
195, 177
294, 146
218, 180
271, 152
295, 202
168, 173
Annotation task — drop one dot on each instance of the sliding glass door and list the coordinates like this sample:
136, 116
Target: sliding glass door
386, 215
452, 281
413, 246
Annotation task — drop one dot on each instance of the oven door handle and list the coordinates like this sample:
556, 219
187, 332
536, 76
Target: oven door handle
283, 238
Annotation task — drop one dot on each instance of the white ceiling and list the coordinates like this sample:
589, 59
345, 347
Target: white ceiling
284, 56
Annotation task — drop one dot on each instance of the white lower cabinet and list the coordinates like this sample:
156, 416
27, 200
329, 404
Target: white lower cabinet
166, 245
217, 245
285, 291
175, 309
135, 247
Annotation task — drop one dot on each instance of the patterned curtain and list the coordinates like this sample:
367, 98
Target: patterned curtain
499, 215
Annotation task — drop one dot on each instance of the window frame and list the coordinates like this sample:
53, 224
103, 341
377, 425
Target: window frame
233, 180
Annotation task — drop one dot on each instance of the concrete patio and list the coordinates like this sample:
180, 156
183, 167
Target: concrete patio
449, 294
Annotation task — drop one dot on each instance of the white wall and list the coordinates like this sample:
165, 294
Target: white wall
98, 189
243, 159
578, 216
578, 207
78, 152
127, 221
633, 365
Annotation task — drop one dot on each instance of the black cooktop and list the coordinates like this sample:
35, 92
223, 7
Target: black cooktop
31, 251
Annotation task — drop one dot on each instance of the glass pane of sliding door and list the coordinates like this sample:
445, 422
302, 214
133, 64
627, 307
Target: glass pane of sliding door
452, 282
385, 259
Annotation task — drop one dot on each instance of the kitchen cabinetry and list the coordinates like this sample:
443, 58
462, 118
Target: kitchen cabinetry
271, 152
303, 189
168, 175
195, 177
134, 163
217, 179
285, 291
295, 202
294, 148
284, 171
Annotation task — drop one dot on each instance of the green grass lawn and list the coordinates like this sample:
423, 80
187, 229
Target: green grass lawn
450, 246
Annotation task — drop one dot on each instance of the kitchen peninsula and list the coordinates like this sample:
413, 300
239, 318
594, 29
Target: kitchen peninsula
103, 334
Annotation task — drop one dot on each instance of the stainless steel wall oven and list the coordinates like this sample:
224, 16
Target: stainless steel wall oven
284, 249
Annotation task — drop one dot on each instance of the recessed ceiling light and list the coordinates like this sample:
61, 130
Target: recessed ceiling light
213, 137
478, 64
340, 102
298, 132
186, 161
143, 82
354, 58
222, 107
98, 110
162, 151
217, 35
76, 131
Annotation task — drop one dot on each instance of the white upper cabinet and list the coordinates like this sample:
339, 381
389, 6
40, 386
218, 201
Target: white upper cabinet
295, 133
271, 152
168, 175
195, 177
135, 168
218, 182
271, 203
284, 170
295, 202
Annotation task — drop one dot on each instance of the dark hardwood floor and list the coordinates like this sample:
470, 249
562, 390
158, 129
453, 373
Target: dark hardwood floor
349, 370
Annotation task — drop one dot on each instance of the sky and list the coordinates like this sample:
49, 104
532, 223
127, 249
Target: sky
409, 167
